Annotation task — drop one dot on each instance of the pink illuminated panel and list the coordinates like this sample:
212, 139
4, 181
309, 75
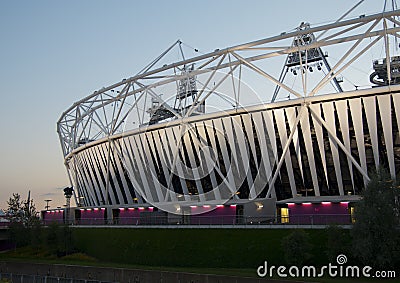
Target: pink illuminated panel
53, 216
319, 213
219, 214
91, 216
130, 216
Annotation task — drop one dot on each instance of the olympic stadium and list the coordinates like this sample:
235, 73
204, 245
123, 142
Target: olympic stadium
268, 131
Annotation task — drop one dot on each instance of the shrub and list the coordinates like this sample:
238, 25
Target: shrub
296, 247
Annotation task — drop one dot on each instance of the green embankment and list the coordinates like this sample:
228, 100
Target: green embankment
217, 248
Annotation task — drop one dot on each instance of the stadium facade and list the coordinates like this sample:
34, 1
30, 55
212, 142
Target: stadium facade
201, 138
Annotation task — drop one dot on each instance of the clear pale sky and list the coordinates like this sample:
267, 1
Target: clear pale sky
53, 53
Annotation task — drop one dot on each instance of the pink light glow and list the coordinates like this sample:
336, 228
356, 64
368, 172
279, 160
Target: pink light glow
233, 205
131, 208
306, 203
151, 208
141, 208
88, 209
103, 208
206, 206
326, 203
344, 202
220, 205
96, 208
82, 209
121, 208
290, 203
193, 206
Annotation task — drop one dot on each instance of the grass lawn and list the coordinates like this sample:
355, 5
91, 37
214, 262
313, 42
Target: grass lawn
235, 252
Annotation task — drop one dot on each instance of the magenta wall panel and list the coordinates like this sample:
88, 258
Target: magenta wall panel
92, 216
219, 215
319, 213
53, 216
129, 216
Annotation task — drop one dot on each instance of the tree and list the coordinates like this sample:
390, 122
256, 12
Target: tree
23, 212
15, 211
23, 217
375, 234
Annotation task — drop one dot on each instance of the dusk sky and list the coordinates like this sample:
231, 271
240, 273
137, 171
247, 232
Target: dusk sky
54, 53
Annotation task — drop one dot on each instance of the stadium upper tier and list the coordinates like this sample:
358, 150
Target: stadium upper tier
303, 113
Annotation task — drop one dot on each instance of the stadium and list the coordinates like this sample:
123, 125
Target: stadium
271, 131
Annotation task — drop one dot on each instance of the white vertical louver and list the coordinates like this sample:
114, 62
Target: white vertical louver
342, 111
329, 115
176, 166
243, 150
103, 151
386, 118
230, 166
281, 125
145, 190
291, 117
150, 151
356, 115
370, 113
316, 109
206, 155
269, 124
305, 127
265, 145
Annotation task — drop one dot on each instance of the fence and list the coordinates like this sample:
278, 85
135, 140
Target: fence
25, 278
305, 219
72, 274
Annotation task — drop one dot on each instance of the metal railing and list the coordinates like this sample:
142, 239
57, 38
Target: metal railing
25, 278
305, 219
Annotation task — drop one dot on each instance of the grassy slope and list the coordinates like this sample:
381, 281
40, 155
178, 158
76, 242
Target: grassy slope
226, 248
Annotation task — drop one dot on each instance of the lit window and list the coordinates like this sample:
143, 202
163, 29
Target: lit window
353, 219
284, 215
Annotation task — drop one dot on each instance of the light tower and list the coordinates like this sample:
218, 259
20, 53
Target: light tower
68, 195
47, 203
306, 60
